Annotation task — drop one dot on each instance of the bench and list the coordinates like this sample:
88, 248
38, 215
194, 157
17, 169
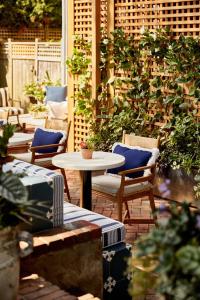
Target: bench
114, 249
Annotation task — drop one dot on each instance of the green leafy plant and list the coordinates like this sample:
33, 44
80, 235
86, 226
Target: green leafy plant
15, 206
35, 108
132, 98
91, 143
37, 89
29, 13
167, 259
79, 65
7, 132
181, 147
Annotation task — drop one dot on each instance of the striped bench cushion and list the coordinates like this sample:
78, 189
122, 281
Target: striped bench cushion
113, 232
18, 166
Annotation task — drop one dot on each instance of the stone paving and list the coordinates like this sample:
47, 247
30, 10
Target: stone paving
138, 208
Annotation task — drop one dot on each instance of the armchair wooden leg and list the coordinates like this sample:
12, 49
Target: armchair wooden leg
66, 185
119, 210
127, 213
153, 207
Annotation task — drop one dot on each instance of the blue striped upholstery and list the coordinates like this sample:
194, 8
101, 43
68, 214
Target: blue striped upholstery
113, 232
18, 166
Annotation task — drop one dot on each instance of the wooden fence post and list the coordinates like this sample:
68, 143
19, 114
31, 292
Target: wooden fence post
70, 87
10, 69
36, 60
110, 28
96, 36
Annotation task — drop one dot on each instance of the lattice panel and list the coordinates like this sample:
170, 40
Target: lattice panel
104, 15
182, 16
42, 51
83, 17
31, 34
80, 131
49, 50
83, 27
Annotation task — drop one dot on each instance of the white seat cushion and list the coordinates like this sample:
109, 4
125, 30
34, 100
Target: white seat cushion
110, 184
113, 232
43, 162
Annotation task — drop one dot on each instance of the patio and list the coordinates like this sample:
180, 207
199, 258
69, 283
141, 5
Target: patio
120, 92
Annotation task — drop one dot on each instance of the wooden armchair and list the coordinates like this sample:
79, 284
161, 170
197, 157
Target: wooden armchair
7, 109
45, 159
121, 189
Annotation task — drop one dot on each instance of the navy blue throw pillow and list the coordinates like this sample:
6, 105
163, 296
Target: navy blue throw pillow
134, 158
43, 137
56, 93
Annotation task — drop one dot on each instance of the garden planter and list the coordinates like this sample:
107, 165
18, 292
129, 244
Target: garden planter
86, 153
9, 260
9, 264
175, 184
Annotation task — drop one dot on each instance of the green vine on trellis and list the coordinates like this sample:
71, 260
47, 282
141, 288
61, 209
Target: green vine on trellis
154, 79
80, 66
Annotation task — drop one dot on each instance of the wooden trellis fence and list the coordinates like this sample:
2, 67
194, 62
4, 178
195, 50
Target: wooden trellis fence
24, 62
87, 16
30, 34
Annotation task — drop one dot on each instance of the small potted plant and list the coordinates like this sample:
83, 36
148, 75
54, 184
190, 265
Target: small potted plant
87, 148
168, 258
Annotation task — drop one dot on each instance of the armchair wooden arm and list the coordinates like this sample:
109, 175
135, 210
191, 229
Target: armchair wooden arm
36, 155
35, 148
127, 181
137, 170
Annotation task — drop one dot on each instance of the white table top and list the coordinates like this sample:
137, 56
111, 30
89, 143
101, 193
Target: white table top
100, 161
20, 138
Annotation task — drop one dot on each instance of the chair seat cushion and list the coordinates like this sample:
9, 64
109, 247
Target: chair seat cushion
27, 156
44, 137
110, 184
113, 232
134, 158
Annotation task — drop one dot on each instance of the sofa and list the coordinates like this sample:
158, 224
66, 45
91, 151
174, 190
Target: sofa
48, 186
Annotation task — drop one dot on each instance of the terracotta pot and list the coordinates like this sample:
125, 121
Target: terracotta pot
10, 262
86, 153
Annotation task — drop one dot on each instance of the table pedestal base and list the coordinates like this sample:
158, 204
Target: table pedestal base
86, 189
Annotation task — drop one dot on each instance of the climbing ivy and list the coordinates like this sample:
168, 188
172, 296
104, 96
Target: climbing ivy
155, 80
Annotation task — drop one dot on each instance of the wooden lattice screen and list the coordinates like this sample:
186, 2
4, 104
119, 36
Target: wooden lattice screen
84, 20
30, 34
182, 16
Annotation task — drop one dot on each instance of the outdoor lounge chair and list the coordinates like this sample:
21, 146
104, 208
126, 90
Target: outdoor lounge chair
7, 109
47, 143
133, 180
